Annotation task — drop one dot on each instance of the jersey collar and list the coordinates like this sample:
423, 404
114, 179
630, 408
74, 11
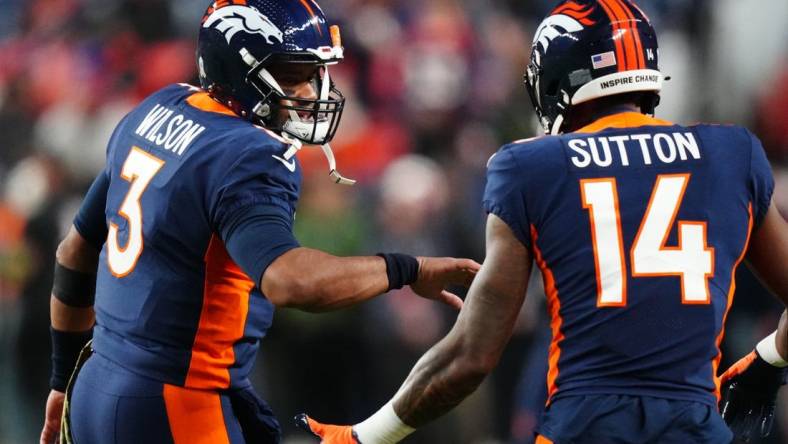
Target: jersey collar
204, 102
627, 119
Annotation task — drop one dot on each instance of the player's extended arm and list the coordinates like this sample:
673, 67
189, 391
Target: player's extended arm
752, 383
454, 367
312, 280
72, 318
768, 257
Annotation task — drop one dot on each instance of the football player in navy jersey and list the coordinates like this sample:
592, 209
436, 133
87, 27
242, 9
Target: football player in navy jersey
185, 238
638, 226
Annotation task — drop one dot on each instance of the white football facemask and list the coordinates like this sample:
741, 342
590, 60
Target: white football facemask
323, 114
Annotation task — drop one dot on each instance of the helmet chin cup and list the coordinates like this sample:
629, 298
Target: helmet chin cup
309, 132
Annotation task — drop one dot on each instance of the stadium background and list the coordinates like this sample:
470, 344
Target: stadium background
434, 88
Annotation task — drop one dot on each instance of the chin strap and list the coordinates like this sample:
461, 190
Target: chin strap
332, 167
294, 143
556, 128
336, 176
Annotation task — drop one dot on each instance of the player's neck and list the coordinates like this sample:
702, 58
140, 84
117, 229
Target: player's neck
584, 116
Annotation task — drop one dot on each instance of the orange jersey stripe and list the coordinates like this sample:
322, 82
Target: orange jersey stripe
222, 321
623, 120
195, 416
620, 53
715, 364
204, 102
554, 307
633, 32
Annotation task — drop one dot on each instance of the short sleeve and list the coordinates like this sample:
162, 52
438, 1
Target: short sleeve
761, 180
91, 221
504, 194
257, 236
254, 208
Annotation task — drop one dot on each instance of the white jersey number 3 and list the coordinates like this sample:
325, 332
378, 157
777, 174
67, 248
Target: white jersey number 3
692, 260
139, 169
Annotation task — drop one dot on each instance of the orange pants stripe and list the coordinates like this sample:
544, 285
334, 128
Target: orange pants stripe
195, 416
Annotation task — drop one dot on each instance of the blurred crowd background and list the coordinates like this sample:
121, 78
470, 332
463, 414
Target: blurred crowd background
434, 87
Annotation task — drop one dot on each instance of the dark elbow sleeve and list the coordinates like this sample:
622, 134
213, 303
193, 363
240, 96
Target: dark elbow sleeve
256, 238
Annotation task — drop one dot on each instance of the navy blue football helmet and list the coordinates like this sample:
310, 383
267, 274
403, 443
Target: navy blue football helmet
240, 41
588, 49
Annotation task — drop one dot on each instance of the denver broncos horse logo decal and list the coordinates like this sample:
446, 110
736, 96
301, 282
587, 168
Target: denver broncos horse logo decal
570, 17
232, 19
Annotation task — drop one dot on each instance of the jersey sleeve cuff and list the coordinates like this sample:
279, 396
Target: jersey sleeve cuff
255, 236
93, 237
497, 209
272, 254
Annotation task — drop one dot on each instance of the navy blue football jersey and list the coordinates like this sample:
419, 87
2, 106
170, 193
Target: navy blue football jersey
192, 207
638, 226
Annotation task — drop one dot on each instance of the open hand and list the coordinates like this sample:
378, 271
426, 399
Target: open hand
436, 273
54, 411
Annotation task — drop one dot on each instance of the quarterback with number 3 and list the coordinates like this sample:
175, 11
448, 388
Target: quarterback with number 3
186, 240
638, 226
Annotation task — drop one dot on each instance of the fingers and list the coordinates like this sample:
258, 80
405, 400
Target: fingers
437, 273
304, 422
328, 433
451, 299
467, 277
747, 421
728, 412
469, 264
738, 368
49, 433
468, 269
748, 425
766, 422
54, 409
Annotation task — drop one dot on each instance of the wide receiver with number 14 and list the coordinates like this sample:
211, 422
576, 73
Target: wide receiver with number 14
638, 226
190, 229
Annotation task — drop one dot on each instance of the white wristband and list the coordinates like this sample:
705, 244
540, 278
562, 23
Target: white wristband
384, 427
767, 348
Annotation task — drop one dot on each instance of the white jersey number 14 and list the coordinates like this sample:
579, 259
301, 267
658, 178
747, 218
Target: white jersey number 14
692, 259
